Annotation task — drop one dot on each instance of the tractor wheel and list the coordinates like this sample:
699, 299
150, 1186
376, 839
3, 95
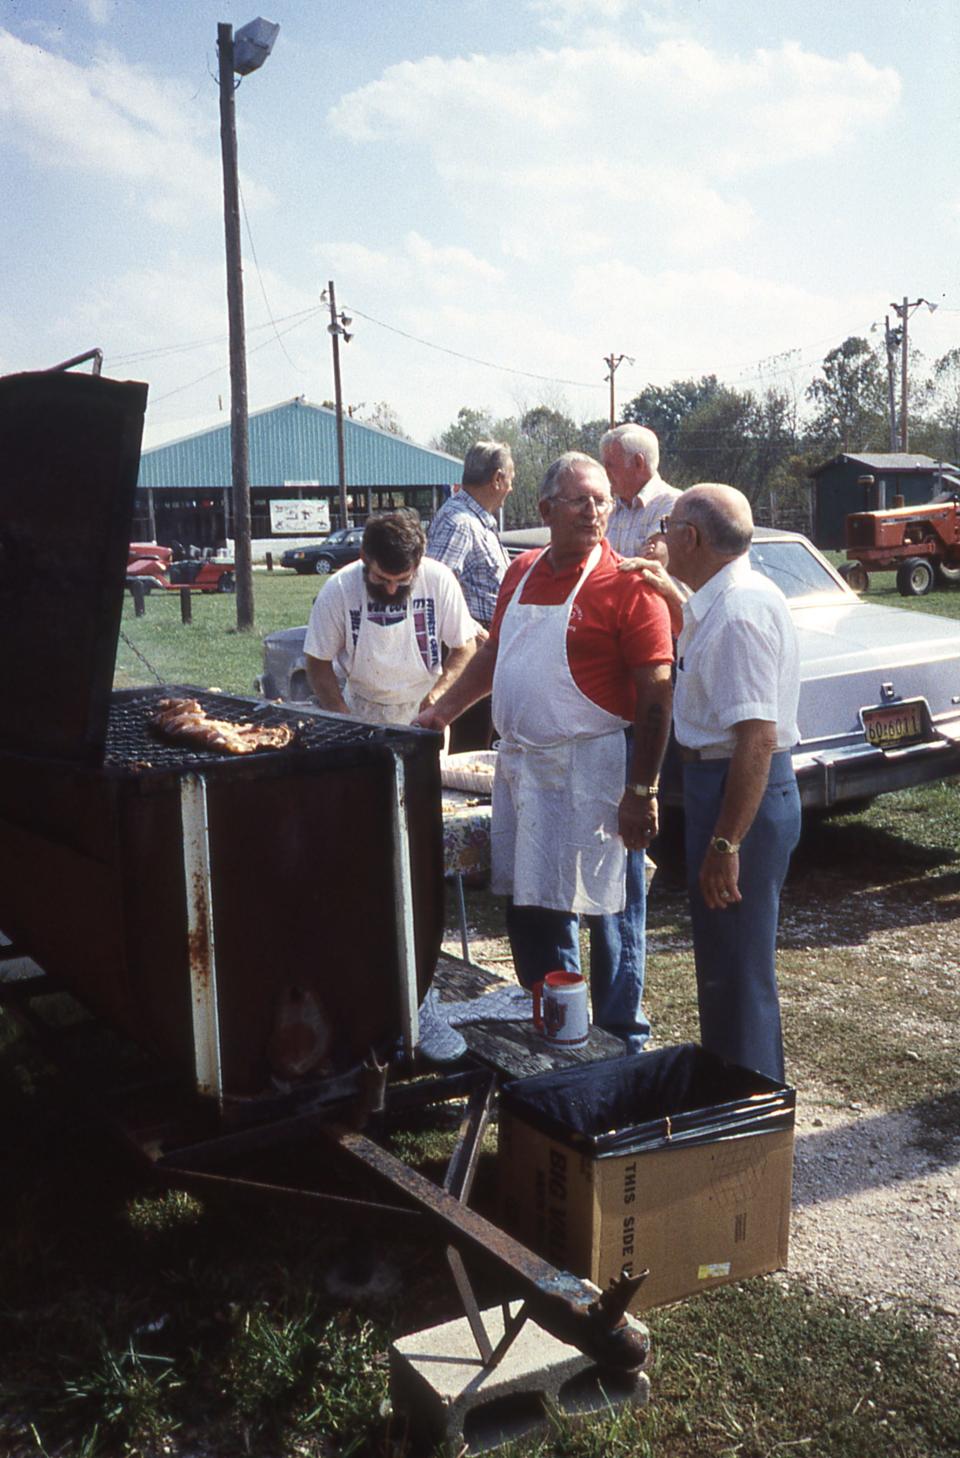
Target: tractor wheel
227, 583
854, 575
914, 577
948, 573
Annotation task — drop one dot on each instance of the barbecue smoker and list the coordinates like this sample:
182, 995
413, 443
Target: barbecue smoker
194, 902
190, 899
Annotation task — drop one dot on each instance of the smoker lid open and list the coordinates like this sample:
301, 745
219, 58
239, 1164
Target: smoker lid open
69, 458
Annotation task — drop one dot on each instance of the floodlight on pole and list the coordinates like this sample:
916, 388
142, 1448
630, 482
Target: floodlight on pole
238, 54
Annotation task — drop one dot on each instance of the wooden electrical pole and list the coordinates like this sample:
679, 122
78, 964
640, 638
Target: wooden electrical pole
335, 329
903, 312
239, 429
890, 340
613, 362
904, 431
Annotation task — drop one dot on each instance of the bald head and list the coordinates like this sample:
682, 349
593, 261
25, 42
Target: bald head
722, 515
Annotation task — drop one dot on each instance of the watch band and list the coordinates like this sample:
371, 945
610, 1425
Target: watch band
646, 792
724, 847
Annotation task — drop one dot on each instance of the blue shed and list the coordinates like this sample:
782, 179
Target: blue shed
850, 483
185, 488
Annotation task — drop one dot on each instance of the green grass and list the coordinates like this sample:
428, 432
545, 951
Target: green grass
883, 589
209, 652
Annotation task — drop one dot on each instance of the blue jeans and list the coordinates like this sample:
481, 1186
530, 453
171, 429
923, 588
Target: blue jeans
543, 940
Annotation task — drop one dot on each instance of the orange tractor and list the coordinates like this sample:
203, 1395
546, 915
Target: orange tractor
920, 543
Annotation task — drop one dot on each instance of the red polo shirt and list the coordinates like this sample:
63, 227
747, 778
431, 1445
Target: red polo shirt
617, 623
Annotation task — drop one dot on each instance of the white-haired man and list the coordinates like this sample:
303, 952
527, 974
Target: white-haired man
631, 459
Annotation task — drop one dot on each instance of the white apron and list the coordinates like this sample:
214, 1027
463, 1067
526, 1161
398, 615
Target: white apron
561, 769
389, 679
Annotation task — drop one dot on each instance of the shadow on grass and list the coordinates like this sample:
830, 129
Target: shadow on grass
864, 852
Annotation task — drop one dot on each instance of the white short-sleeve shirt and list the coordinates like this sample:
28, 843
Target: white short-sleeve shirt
737, 658
439, 610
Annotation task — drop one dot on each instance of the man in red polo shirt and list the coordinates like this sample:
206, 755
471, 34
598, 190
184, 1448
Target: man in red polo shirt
572, 660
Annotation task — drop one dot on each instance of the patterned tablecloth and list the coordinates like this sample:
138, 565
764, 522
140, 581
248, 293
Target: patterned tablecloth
466, 833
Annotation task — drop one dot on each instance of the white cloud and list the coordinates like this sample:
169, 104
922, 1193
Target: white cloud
99, 11
564, 15
679, 121
114, 120
416, 266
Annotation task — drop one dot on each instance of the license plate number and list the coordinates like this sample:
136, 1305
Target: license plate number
895, 726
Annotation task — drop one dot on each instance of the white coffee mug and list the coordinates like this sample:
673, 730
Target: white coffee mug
560, 1009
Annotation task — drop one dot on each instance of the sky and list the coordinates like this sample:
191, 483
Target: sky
504, 192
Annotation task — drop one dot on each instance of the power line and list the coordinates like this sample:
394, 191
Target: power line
256, 263
179, 389
472, 359
164, 351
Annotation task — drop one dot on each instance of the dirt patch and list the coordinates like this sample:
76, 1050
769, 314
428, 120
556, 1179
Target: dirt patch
876, 1209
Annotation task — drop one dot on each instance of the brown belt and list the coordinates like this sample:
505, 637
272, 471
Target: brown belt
694, 756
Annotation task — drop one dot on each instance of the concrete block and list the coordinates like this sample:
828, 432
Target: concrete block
438, 1383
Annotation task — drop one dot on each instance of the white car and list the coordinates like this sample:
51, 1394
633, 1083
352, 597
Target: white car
880, 686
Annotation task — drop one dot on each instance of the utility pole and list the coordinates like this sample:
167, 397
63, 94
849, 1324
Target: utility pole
904, 431
335, 329
892, 341
613, 363
903, 312
239, 433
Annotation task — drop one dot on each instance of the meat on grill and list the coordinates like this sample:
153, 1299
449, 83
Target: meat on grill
185, 721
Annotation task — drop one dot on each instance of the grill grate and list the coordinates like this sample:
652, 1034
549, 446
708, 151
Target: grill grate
131, 742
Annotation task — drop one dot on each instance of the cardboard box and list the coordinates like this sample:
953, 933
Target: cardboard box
674, 1161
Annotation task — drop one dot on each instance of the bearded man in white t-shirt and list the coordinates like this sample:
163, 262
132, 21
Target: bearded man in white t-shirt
377, 628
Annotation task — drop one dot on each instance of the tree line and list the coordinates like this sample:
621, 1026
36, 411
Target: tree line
766, 443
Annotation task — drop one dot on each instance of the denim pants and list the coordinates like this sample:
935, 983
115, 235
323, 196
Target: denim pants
543, 940
735, 949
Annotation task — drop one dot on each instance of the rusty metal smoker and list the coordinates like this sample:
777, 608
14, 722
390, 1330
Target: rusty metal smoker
179, 896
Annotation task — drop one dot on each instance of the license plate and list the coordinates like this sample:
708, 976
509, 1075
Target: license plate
895, 726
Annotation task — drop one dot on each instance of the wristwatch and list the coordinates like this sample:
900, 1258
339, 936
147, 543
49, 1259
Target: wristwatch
724, 847
646, 792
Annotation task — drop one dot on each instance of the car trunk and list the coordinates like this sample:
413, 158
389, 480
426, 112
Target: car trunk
847, 657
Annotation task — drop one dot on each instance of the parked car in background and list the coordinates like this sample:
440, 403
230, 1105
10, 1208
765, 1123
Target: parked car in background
880, 686
324, 557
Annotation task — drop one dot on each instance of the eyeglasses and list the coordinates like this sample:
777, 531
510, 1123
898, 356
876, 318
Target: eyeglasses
667, 521
580, 503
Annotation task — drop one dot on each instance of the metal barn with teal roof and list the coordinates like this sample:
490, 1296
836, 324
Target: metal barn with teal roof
185, 486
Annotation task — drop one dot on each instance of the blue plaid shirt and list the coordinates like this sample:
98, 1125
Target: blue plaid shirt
464, 536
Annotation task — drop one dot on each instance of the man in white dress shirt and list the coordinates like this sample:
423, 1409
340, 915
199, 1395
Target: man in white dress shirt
735, 719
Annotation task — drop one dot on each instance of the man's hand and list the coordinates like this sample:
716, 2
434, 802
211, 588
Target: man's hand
431, 718
637, 820
719, 877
